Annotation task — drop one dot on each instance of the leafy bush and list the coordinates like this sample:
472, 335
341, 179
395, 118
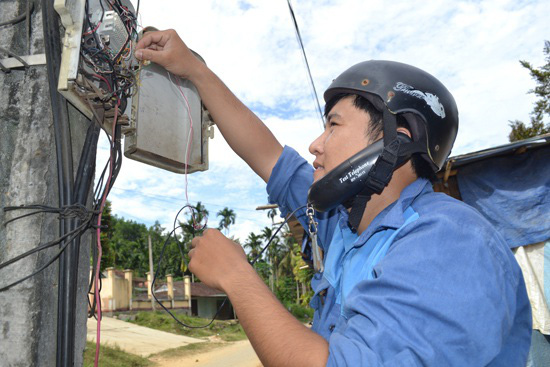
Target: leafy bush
302, 313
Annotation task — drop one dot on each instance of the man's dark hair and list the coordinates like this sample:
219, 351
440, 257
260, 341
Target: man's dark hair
420, 166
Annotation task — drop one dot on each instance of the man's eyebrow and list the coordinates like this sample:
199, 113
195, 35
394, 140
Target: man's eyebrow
331, 115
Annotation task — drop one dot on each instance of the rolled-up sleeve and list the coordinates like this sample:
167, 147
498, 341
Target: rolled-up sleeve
288, 187
289, 181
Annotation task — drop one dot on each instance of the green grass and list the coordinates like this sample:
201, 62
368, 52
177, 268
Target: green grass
113, 356
226, 330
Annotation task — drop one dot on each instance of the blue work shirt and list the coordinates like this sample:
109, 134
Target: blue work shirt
428, 283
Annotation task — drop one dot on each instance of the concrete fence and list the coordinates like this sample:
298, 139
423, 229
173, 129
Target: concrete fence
120, 291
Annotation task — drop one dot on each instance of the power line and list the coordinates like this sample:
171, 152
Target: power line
299, 37
171, 199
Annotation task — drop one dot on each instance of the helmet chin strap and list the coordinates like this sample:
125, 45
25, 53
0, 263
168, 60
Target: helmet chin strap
381, 173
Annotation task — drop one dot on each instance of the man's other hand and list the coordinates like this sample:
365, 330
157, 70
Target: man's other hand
215, 259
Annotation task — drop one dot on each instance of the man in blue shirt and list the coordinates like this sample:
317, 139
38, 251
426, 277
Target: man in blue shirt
410, 277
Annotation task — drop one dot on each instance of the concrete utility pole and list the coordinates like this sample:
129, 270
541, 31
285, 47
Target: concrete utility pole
28, 175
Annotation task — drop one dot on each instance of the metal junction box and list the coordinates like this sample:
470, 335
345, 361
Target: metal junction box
166, 130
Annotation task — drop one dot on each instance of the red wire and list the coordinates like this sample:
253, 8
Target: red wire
98, 235
93, 30
105, 80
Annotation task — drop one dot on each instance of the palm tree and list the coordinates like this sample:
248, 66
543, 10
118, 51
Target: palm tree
254, 243
272, 213
228, 218
193, 226
274, 254
200, 212
287, 247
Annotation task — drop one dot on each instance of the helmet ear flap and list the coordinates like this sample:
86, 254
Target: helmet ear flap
415, 125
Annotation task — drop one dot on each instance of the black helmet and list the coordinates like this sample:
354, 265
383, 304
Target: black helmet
427, 105
394, 89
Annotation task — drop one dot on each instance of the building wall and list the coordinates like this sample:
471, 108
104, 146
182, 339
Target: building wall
207, 307
115, 296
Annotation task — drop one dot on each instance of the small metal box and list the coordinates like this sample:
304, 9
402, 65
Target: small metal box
160, 131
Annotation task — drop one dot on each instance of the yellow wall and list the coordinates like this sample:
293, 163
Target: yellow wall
115, 296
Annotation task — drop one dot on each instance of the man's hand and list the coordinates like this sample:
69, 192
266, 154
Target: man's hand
168, 50
215, 258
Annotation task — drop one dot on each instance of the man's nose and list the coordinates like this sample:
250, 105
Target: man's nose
317, 146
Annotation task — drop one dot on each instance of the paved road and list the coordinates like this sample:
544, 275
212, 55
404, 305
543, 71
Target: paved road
136, 339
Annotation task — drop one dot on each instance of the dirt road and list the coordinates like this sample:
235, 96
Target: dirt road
236, 354
136, 339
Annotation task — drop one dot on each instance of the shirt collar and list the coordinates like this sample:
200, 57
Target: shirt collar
392, 215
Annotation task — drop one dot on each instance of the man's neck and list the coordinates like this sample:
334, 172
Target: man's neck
402, 178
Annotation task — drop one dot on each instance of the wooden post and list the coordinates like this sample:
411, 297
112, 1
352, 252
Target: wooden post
151, 274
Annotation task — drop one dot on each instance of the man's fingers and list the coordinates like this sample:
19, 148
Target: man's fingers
195, 242
159, 38
148, 54
155, 47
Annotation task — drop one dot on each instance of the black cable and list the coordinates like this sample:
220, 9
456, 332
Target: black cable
21, 17
68, 265
70, 211
160, 303
92, 28
61, 250
46, 245
86, 166
226, 298
29, 7
15, 56
298, 35
275, 234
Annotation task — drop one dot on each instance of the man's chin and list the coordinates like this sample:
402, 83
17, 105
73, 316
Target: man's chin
318, 174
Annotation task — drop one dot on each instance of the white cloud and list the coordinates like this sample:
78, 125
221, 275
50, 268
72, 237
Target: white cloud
473, 47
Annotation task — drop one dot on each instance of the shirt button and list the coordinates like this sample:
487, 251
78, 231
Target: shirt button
331, 328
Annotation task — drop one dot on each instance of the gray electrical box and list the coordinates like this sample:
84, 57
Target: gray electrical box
167, 130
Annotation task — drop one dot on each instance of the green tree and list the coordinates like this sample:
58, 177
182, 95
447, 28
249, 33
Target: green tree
228, 218
193, 226
541, 109
272, 213
287, 246
302, 274
107, 253
172, 257
273, 254
254, 244
129, 244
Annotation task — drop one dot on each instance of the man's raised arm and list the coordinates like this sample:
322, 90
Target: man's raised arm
245, 133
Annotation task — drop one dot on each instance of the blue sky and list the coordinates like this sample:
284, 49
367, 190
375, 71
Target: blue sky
473, 47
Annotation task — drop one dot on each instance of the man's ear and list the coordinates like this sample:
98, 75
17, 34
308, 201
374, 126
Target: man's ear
404, 131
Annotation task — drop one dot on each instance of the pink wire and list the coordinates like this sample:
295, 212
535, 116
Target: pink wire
188, 150
98, 235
